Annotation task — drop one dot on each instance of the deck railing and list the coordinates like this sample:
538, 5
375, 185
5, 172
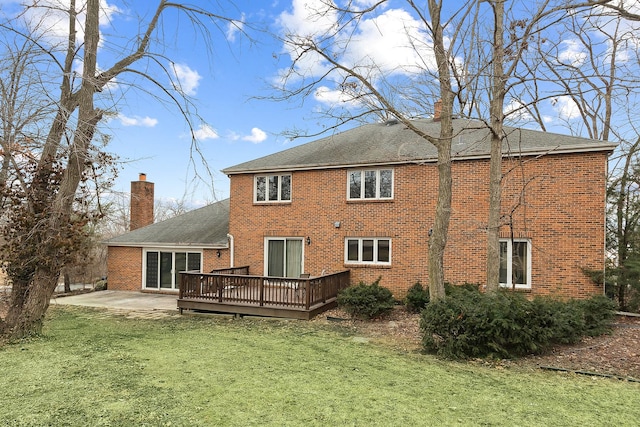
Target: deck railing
227, 286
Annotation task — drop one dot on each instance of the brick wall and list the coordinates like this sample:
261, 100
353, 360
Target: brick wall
124, 266
141, 203
557, 201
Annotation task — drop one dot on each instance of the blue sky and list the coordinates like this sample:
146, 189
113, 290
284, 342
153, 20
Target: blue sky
226, 72
224, 85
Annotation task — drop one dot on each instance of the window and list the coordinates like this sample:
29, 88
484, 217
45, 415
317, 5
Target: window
272, 188
283, 257
162, 268
368, 251
515, 264
370, 184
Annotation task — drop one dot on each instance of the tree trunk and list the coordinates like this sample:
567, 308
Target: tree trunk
67, 282
495, 169
30, 299
438, 240
28, 307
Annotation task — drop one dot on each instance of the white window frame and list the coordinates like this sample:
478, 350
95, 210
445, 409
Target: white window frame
173, 251
279, 197
360, 251
509, 283
362, 186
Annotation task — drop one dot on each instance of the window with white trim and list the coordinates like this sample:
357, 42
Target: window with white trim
367, 250
272, 188
515, 263
370, 184
162, 267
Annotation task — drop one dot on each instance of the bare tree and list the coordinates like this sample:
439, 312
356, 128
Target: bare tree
589, 71
19, 120
472, 63
403, 92
48, 220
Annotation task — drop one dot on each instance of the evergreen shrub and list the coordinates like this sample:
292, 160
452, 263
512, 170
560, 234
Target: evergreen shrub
417, 298
365, 301
505, 324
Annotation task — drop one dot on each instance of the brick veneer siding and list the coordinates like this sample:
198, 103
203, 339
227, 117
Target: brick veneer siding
557, 201
124, 265
124, 268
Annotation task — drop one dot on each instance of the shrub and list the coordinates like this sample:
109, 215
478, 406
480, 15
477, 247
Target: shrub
366, 301
451, 289
506, 324
100, 285
417, 298
598, 313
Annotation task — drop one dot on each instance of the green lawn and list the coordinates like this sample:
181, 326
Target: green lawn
94, 369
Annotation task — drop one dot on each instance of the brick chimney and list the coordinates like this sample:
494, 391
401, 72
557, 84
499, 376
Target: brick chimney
437, 110
141, 203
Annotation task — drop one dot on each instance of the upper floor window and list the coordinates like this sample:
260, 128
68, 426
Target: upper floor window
515, 263
272, 188
370, 184
368, 250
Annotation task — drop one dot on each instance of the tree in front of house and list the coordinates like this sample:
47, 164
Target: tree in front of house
464, 59
48, 195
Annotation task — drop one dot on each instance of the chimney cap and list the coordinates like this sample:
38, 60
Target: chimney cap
142, 176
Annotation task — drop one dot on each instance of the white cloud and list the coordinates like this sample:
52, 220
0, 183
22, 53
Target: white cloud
365, 3
50, 20
205, 132
188, 79
328, 96
390, 43
308, 18
517, 111
573, 53
565, 107
234, 27
257, 136
146, 121
393, 42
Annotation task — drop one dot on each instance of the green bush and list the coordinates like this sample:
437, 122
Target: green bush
506, 325
366, 301
451, 289
598, 313
417, 298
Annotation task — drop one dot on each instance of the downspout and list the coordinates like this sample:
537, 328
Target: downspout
604, 249
231, 249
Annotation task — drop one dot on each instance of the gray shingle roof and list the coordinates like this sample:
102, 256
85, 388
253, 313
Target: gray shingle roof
380, 143
204, 227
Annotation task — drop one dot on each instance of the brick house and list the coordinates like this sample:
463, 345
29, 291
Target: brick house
149, 257
364, 200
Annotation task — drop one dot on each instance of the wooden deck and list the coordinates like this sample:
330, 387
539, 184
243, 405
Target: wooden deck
235, 291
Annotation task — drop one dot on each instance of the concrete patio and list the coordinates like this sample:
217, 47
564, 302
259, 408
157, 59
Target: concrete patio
120, 300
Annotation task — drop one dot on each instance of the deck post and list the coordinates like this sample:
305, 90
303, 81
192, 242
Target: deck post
217, 289
262, 292
307, 296
181, 291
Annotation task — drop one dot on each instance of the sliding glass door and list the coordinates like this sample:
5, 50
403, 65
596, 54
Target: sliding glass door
162, 268
284, 257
